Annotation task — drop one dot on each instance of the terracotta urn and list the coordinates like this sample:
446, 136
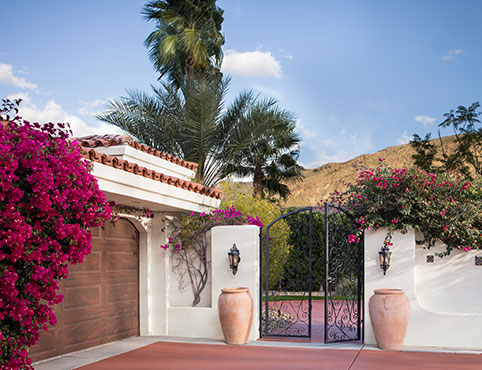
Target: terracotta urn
389, 312
235, 307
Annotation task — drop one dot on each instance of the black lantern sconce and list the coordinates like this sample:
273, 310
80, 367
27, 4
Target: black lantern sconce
234, 259
384, 255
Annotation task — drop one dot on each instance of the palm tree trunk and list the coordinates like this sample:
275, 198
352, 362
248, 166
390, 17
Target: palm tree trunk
189, 68
258, 182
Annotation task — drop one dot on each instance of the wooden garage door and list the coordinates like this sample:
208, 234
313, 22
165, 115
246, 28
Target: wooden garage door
101, 295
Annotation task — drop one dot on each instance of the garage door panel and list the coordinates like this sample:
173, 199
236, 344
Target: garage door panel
101, 296
77, 276
95, 232
78, 315
82, 331
121, 326
121, 261
48, 342
91, 264
120, 292
82, 296
120, 230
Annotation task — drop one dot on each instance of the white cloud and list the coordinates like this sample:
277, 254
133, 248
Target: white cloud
91, 108
251, 64
53, 112
8, 77
425, 120
304, 131
452, 55
336, 140
404, 138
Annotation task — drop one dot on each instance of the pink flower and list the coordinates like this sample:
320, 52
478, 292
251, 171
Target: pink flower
49, 200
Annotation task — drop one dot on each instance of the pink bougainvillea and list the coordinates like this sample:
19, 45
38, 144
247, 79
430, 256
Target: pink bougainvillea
190, 227
189, 244
442, 207
48, 200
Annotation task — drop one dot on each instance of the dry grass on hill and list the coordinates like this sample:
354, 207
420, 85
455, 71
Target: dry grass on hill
319, 183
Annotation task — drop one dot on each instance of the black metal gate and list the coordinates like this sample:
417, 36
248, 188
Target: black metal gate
344, 277
286, 303
306, 256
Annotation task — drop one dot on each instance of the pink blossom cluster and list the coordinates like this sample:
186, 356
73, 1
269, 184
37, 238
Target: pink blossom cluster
48, 200
198, 223
443, 207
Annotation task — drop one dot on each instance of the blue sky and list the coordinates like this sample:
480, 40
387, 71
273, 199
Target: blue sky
360, 75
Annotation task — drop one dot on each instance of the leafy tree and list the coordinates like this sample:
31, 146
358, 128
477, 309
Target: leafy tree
193, 125
271, 158
187, 38
466, 158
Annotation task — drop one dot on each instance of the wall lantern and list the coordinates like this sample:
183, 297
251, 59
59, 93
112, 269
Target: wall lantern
234, 259
384, 255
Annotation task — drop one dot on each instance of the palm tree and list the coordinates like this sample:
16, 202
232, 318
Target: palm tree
187, 38
270, 158
191, 124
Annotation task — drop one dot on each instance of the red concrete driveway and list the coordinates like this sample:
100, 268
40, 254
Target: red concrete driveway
174, 356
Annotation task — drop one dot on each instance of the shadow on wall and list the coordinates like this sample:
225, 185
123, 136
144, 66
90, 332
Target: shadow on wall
450, 284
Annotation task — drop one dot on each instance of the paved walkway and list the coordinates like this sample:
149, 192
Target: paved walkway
148, 353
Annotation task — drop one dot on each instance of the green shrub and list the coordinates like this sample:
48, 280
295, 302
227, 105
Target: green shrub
267, 211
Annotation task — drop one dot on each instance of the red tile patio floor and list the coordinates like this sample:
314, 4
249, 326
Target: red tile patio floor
175, 356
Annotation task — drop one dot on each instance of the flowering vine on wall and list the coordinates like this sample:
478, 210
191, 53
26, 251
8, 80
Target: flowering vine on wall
189, 244
48, 200
443, 207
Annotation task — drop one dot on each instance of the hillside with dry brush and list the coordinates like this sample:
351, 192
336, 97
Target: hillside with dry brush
320, 182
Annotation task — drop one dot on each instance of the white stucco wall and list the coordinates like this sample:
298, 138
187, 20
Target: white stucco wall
180, 292
449, 284
152, 270
445, 302
125, 187
203, 322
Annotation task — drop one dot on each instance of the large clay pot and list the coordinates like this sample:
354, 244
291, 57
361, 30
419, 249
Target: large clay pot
236, 314
389, 312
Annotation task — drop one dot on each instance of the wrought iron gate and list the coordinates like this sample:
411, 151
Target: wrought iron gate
306, 255
344, 277
285, 308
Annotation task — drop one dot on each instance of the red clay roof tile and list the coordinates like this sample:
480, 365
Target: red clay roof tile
95, 141
124, 165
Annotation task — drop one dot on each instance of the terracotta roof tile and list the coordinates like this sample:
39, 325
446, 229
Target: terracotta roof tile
124, 165
95, 141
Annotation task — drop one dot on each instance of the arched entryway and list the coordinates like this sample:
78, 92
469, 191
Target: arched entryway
101, 295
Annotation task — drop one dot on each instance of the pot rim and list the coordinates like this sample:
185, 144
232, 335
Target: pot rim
235, 290
389, 291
